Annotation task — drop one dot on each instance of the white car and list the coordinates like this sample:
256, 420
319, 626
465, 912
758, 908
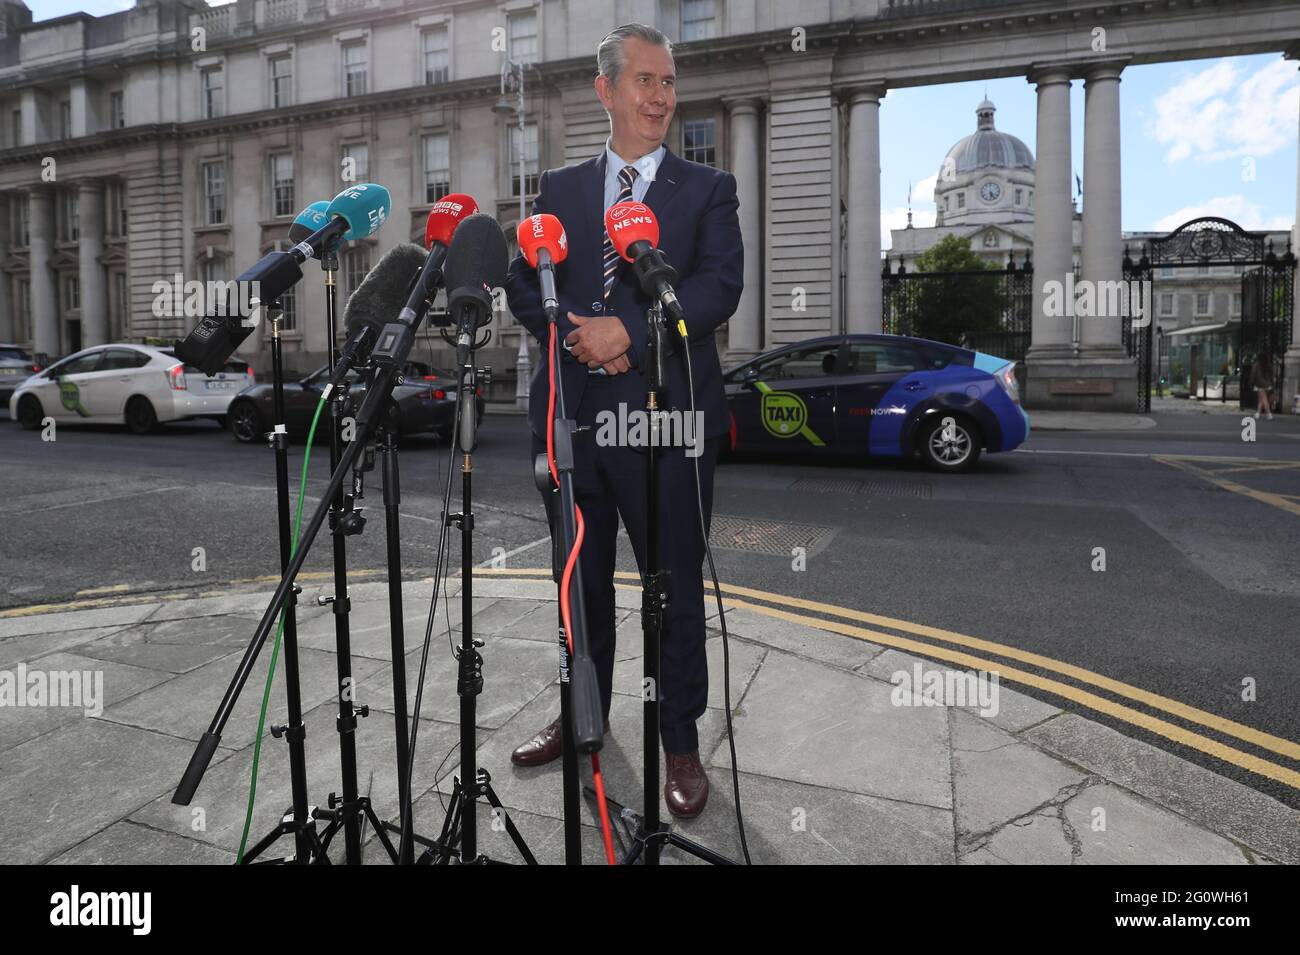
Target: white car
139, 385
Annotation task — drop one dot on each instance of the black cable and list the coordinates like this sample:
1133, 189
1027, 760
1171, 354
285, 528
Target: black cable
722, 616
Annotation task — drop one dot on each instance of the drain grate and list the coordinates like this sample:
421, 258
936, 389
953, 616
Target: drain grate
777, 538
854, 486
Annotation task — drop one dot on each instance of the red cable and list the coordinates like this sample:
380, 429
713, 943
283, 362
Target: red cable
565, 580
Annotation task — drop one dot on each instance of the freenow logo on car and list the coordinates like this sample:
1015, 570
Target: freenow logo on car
76, 908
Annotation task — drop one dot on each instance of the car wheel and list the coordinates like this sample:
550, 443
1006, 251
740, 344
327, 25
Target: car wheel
140, 416
950, 442
30, 413
245, 422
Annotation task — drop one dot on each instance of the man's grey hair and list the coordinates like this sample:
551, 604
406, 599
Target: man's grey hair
610, 58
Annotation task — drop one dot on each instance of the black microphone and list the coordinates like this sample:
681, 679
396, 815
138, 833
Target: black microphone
381, 295
476, 264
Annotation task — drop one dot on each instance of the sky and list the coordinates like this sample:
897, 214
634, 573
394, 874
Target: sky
1199, 137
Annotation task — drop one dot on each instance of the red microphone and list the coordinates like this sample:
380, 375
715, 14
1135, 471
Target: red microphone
634, 232
544, 245
445, 216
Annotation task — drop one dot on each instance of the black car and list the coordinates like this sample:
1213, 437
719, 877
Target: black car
424, 403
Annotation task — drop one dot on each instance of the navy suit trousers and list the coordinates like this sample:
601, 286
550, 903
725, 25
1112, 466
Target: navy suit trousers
610, 482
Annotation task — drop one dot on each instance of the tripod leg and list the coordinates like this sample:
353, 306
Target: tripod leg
518, 840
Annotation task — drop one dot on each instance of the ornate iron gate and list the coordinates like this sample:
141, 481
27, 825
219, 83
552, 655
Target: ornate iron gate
1266, 290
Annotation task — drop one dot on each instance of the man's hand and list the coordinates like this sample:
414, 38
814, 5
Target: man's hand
600, 341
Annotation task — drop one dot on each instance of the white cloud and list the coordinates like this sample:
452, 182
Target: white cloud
1219, 113
1247, 214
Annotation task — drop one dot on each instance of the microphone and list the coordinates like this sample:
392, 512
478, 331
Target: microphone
396, 336
381, 294
544, 245
309, 220
634, 232
355, 213
476, 264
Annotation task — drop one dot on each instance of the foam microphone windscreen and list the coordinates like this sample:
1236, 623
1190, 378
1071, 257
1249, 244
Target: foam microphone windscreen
382, 294
629, 222
309, 220
446, 214
478, 256
542, 231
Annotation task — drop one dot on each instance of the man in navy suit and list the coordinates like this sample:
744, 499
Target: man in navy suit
604, 332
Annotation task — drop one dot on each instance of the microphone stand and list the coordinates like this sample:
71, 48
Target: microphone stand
459, 836
577, 673
646, 834
300, 820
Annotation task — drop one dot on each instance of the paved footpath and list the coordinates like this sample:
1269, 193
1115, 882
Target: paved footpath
839, 764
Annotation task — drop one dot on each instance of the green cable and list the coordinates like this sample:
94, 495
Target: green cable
279, 631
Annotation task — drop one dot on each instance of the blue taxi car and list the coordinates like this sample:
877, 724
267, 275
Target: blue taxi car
882, 395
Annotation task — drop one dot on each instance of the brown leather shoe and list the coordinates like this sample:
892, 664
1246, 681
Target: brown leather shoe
686, 786
544, 746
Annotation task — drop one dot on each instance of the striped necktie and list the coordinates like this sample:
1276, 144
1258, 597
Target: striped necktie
626, 176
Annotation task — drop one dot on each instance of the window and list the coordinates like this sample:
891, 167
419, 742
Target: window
117, 209
699, 19
1202, 269
71, 293
1166, 271
214, 193
354, 68
213, 100
282, 203
1236, 303
281, 78
433, 47
116, 110
1203, 303
436, 164
961, 200
69, 216
79, 366
19, 219
878, 358
289, 306
215, 270
1031, 198
16, 127
523, 37
946, 204
1166, 303
65, 119
356, 268
118, 358
698, 144
1020, 196
530, 159
354, 164
812, 362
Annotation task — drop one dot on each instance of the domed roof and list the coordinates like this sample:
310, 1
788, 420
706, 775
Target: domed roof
987, 147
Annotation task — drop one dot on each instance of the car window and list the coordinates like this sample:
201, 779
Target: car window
932, 358
815, 361
871, 358
17, 353
117, 358
82, 364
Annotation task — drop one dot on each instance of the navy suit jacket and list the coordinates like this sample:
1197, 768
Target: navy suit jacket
698, 231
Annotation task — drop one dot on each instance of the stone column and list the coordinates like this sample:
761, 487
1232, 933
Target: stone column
745, 329
1103, 248
863, 267
1053, 215
45, 310
94, 281
1291, 362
